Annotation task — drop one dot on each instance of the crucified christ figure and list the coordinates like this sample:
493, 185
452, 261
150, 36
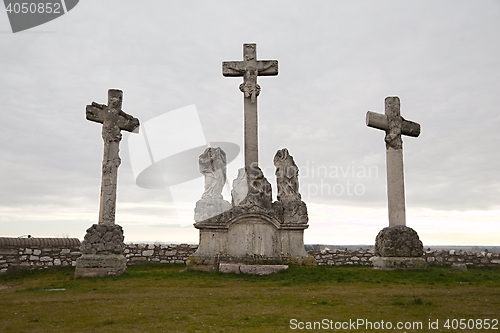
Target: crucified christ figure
250, 88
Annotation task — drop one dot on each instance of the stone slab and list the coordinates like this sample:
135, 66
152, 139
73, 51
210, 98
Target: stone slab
392, 263
459, 267
251, 269
100, 265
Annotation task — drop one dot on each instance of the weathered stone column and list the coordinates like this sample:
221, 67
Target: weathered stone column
102, 247
398, 246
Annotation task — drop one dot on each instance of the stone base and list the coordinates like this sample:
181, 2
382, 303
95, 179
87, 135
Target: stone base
213, 264
208, 208
459, 267
103, 238
251, 269
250, 238
398, 241
392, 263
99, 265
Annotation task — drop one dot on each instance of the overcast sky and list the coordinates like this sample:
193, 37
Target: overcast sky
337, 60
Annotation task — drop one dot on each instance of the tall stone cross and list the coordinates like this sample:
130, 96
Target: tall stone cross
250, 68
394, 126
113, 121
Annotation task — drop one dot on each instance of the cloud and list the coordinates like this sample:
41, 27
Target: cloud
337, 60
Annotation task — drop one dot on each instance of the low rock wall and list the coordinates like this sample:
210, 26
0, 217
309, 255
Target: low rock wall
450, 257
338, 257
32, 253
26, 253
158, 253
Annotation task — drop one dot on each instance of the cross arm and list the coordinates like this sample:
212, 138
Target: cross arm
267, 67
128, 123
238, 68
233, 68
380, 121
95, 112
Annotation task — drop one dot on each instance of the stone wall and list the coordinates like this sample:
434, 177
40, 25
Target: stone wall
158, 253
22, 253
338, 257
443, 257
31, 253
26, 253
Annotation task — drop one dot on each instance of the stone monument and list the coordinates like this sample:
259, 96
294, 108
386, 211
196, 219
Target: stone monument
102, 248
254, 230
396, 246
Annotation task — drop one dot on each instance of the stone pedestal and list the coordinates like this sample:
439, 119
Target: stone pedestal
102, 252
255, 231
208, 208
98, 265
252, 230
398, 247
249, 236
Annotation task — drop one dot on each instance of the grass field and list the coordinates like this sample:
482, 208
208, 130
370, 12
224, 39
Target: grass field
168, 298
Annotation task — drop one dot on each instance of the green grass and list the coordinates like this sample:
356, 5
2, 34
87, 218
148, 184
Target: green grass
168, 298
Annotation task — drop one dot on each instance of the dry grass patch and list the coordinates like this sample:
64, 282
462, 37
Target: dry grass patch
170, 299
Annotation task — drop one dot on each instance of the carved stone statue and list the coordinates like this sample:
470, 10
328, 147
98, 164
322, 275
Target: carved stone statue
240, 188
250, 87
259, 191
213, 166
289, 206
287, 176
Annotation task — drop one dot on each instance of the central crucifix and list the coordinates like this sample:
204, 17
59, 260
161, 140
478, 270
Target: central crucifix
272, 232
250, 68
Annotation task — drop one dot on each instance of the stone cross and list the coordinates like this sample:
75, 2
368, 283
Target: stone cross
113, 120
250, 68
394, 126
